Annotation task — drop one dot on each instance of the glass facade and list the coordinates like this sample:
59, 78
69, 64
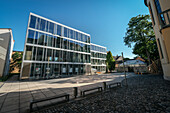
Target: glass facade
98, 58
53, 50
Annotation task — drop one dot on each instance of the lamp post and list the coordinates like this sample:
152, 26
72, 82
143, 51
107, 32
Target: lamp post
124, 69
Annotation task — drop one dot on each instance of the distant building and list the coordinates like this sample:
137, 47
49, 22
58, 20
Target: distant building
6, 47
118, 60
133, 66
160, 16
139, 58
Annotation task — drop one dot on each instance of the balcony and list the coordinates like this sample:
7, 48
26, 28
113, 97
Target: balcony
164, 19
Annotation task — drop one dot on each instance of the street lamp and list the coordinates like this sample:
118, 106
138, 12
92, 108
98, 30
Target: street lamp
124, 69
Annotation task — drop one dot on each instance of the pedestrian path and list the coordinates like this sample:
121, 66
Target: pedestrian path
15, 96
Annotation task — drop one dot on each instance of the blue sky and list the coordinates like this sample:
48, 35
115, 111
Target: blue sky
105, 20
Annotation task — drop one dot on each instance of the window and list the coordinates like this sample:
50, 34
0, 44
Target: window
71, 34
38, 23
88, 39
61, 56
30, 37
45, 40
42, 25
64, 56
58, 42
71, 56
49, 55
160, 48
56, 69
71, 45
65, 32
59, 30
32, 21
34, 53
50, 40
76, 46
36, 38
47, 26
41, 39
77, 36
159, 10
81, 37
88, 48
28, 53
65, 43
51, 28
158, 7
39, 54
56, 56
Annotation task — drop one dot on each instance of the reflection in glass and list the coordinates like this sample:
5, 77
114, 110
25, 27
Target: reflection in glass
51, 28
49, 55
41, 39
65, 32
42, 25
30, 37
50, 40
28, 53
59, 30
34, 53
38, 23
32, 21
47, 26
39, 54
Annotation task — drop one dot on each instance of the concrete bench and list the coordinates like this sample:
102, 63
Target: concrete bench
113, 84
87, 90
48, 98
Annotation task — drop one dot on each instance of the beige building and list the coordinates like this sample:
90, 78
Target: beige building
6, 47
160, 15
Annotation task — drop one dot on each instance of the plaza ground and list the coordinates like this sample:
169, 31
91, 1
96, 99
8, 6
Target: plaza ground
144, 94
15, 96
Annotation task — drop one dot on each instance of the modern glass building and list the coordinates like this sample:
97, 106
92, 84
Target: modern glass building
98, 58
53, 49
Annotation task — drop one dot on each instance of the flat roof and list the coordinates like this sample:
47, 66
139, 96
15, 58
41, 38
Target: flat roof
59, 23
97, 45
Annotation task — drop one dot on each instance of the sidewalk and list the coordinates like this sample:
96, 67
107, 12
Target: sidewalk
15, 96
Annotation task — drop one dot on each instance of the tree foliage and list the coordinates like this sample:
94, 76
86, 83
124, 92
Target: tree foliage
110, 62
17, 60
141, 36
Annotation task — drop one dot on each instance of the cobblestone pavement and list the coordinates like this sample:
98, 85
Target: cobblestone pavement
15, 96
144, 94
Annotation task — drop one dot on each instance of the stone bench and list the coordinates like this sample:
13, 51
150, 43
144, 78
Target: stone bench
87, 90
48, 98
113, 84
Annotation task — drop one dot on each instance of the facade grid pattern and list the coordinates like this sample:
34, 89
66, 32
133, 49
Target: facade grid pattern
52, 49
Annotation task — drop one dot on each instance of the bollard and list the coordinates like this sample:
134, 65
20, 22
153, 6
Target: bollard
104, 86
75, 92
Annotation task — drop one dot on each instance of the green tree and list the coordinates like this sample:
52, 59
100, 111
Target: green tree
17, 60
141, 36
110, 62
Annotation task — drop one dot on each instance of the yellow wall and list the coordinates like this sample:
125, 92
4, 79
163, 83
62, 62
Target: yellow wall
162, 34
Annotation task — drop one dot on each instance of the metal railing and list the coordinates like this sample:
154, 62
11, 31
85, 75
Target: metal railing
164, 18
